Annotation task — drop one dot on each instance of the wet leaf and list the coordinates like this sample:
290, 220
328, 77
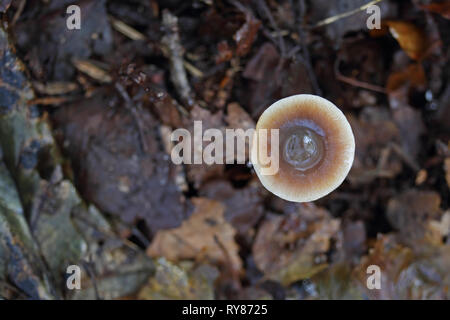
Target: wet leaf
113, 171
20, 264
32, 158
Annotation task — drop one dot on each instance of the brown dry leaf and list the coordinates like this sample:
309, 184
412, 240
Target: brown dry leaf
419, 272
442, 8
294, 247
205, 235
178, 282
244, 206
413, 75
412, 39
411, 212
246, 35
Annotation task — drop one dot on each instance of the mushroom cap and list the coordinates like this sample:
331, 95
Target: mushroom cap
316, 147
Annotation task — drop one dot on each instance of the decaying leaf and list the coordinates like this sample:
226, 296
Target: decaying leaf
204, 236
294, 247
32, 158
112, 168
20, 264
182, 281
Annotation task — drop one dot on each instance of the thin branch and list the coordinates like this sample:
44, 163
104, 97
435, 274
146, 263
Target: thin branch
262, 4
355, 82
335, 18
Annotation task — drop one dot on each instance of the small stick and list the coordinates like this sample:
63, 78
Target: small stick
174, 52
137, 119
344, 14
355, 82
18, 12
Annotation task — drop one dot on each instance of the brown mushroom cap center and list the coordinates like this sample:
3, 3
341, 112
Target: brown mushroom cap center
303, 148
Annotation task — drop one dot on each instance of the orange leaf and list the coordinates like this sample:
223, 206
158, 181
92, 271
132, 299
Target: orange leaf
413, 75
410, 38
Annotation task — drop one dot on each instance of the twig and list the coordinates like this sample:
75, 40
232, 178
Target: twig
262, 4
172, 45
355, 82
89, 68
18, 12
344, 14
91, 274
126, 30
137, 119
406, 157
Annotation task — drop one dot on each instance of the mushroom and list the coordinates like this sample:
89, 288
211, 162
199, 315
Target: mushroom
315, 147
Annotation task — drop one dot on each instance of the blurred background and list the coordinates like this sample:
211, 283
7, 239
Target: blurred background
87, 105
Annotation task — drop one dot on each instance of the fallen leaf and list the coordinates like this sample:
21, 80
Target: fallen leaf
411, 211
244, 206
410, 38
246, 35
419, 272
180, 282
113, 171
294, 247
412, 76
204, 236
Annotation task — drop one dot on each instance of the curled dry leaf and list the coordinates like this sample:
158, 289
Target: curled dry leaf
410, 37
294, 247
204, 236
